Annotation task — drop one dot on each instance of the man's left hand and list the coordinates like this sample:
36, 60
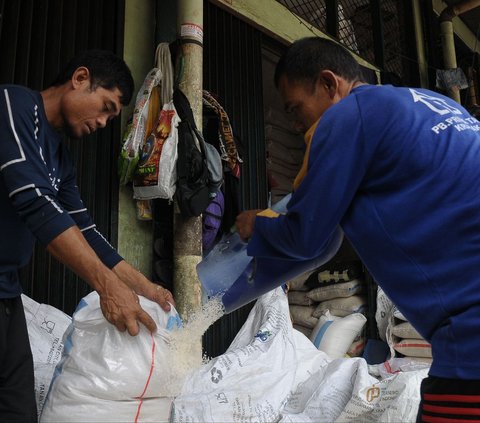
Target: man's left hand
142, 286
245, 222
160, 295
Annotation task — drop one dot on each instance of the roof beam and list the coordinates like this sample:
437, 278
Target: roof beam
274, 19
459, 28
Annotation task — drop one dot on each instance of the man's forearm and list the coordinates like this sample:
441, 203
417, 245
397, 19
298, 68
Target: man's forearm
119, 303
72, 249
131, 276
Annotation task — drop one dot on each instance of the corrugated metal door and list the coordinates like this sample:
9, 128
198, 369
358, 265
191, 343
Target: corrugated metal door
36, 38
233, 72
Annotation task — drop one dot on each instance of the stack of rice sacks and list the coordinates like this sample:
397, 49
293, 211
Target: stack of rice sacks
328, 306
402, 338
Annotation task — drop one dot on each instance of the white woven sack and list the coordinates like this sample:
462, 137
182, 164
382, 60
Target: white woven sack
413, 348
342, 307
46, 326
336, 290
357, 347
334, 335
299, 298
383, 313
405, 330
302, 329
302, 315
109, 376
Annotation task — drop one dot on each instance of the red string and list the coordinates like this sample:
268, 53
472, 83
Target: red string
152, 366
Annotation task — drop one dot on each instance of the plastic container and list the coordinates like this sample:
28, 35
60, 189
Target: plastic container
228, 271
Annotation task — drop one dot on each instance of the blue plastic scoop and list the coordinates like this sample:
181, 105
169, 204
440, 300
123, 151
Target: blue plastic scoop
228, 271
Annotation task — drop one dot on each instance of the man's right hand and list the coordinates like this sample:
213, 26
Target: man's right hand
121, 307
119, 303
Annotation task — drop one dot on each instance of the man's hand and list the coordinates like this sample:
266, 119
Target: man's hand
159, 294
142, 286
118, 300
245, 222
121, 307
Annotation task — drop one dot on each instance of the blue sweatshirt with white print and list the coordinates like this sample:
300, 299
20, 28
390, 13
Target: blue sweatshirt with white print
39, 198
399, 170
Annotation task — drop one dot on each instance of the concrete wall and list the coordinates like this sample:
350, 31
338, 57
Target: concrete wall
135, 238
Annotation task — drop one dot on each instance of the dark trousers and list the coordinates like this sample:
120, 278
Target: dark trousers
17, 389
449, 400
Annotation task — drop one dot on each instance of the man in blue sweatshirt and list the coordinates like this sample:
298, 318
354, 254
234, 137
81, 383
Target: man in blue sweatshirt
398, 169
39, 200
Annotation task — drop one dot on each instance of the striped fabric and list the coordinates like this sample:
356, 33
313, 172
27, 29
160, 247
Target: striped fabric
449, 400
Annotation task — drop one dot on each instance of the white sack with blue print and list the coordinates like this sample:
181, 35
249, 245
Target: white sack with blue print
106, 375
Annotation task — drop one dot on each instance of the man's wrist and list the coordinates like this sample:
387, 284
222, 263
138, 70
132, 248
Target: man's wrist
103, 279
132, 277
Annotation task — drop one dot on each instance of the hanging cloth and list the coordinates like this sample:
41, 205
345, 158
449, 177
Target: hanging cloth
228, 148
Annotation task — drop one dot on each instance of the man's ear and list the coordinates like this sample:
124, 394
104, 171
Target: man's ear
330, 81
80, 77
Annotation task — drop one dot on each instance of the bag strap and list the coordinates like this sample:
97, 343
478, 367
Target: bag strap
185, 113
182, 105
163, 61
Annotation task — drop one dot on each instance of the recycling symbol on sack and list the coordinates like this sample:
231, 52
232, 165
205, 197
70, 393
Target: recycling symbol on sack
263, 335
48, 325
216, 375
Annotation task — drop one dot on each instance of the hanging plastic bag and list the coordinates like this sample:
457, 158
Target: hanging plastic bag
156, 90
135, 133
156, 174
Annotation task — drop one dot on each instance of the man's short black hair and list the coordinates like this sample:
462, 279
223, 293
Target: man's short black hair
106, 70
307, 57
